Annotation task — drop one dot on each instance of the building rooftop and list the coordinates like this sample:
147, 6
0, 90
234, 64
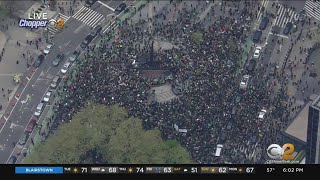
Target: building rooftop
299, 126
316, 103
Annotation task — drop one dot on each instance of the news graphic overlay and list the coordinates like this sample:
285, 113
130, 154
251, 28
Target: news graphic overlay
39, 170
40, 20
281, 155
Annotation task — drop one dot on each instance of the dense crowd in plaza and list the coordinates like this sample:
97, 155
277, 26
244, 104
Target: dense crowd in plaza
210, 72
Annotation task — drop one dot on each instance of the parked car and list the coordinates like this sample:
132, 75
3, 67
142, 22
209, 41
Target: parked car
89, 3
57, 60
46, 97
39, 109
257, 36
97, 29
65, 67
12, 160
74, 56
48, 48
257, 51
287, 28
38, 61
55, 81
244, 82
31, 125
86, 41
120, 8
264, 23
23, 139
251, 66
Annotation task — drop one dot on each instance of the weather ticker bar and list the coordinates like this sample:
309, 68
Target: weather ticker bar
160, 170
155, 169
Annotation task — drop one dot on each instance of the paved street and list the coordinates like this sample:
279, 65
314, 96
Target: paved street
19, 114
281, 76
312, 8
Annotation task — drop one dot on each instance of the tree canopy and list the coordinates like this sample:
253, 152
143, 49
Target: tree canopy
101, 134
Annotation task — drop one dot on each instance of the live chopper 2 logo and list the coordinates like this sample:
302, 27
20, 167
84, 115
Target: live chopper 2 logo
281, 155
36, 20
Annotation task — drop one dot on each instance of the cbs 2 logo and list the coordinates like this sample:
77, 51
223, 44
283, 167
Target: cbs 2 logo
274, 151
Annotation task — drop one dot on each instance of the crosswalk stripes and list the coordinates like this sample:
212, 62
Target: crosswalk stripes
54, 30
312, 9
111, 26
88, 16
285, 15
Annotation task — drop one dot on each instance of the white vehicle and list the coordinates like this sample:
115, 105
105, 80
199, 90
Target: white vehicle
48, 48
65, 67
262, 114
218, 150
244, 82
46, 98
39, 109
256, 53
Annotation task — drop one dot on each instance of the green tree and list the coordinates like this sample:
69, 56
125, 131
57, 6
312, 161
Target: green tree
109, 135
132, 144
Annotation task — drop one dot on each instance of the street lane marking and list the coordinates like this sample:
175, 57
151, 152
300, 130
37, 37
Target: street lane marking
21, 107
114, 27
31, 119
16, 103
106, 27
48, 69
106, 5
32, 107
312, 9
80, 10
263, 4
110, 14
89, 17
7, 74
280, 35
68, 43
78, 29
98, 23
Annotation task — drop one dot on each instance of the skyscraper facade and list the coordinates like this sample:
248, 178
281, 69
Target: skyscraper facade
313, 134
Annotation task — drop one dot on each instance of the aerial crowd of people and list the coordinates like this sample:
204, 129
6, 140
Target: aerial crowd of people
206, 62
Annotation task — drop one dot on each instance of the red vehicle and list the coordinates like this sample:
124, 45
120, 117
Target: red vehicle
31, 125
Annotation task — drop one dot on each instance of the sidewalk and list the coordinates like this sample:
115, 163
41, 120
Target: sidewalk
13, 63
47, 119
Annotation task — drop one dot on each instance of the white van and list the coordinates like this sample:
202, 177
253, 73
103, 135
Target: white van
218, 150
39, 109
